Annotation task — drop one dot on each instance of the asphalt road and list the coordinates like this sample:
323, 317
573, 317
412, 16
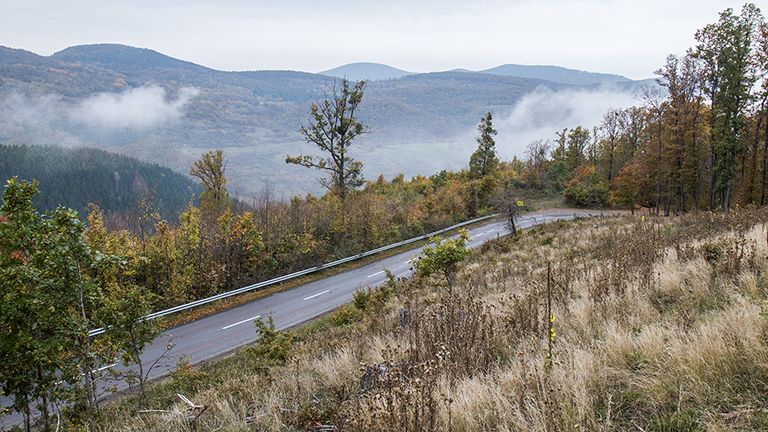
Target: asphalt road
228, 330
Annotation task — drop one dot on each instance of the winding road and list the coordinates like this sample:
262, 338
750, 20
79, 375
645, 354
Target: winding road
223, 332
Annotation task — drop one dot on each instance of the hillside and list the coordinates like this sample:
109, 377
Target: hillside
656, 325
75, 178
153, 107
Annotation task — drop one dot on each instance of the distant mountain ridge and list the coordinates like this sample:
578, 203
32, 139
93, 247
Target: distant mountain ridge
558, 74
253, 115
366, 71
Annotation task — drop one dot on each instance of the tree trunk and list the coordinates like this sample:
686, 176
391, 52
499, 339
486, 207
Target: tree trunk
87, 365
753, 170
142, 378
27, 414
712, 158
765, 161
695, 155
44, 405
512, 226
658, 168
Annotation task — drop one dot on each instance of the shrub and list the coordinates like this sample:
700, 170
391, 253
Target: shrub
344, 315
272, 345
361, 298
185, 378
712, 252
587, 195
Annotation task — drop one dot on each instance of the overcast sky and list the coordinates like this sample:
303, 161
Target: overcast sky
629, 37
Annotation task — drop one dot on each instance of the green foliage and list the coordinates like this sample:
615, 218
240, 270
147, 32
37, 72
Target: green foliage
586, 189
713, 253
558, 173
484, 160
273, 345
391, 286
444, 257
589, 195
333, 125
49, 302
345, 315
209, 169
726, 51
128, 333
680, 421
575, 156
361, 298
185, 378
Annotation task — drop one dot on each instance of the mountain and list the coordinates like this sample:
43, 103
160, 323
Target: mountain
366, 71
556, 73
123, 57
77, 177
153, 107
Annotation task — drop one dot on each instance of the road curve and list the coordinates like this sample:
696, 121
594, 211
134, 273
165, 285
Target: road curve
225, 331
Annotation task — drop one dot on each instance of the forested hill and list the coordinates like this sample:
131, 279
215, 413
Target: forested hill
76, 177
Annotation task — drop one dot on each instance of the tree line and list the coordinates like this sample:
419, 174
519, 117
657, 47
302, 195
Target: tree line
76, 177
699, 144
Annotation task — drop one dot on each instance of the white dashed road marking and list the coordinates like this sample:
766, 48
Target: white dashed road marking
377, 273
241, 322
317, 295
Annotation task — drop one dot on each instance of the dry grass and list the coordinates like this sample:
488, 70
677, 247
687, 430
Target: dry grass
659, 327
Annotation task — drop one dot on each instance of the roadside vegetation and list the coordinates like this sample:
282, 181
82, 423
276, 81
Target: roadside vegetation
647, 323
656, 324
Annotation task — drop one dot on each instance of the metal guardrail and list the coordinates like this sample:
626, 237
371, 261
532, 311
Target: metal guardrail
299, 273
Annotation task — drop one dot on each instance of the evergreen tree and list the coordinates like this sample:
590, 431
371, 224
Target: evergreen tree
484, 160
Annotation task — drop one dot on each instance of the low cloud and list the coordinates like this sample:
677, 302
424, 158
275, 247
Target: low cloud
537, 115
543, 112
141, 107
101, 120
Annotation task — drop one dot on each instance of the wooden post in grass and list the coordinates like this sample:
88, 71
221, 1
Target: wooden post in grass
550, 317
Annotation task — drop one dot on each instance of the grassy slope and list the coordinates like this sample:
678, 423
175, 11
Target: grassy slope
658, 327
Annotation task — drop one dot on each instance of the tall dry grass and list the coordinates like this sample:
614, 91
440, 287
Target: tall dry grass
659, 327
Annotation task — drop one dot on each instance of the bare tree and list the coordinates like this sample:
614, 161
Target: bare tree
537, 154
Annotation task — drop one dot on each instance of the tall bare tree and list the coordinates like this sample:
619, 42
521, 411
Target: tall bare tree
332, 127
